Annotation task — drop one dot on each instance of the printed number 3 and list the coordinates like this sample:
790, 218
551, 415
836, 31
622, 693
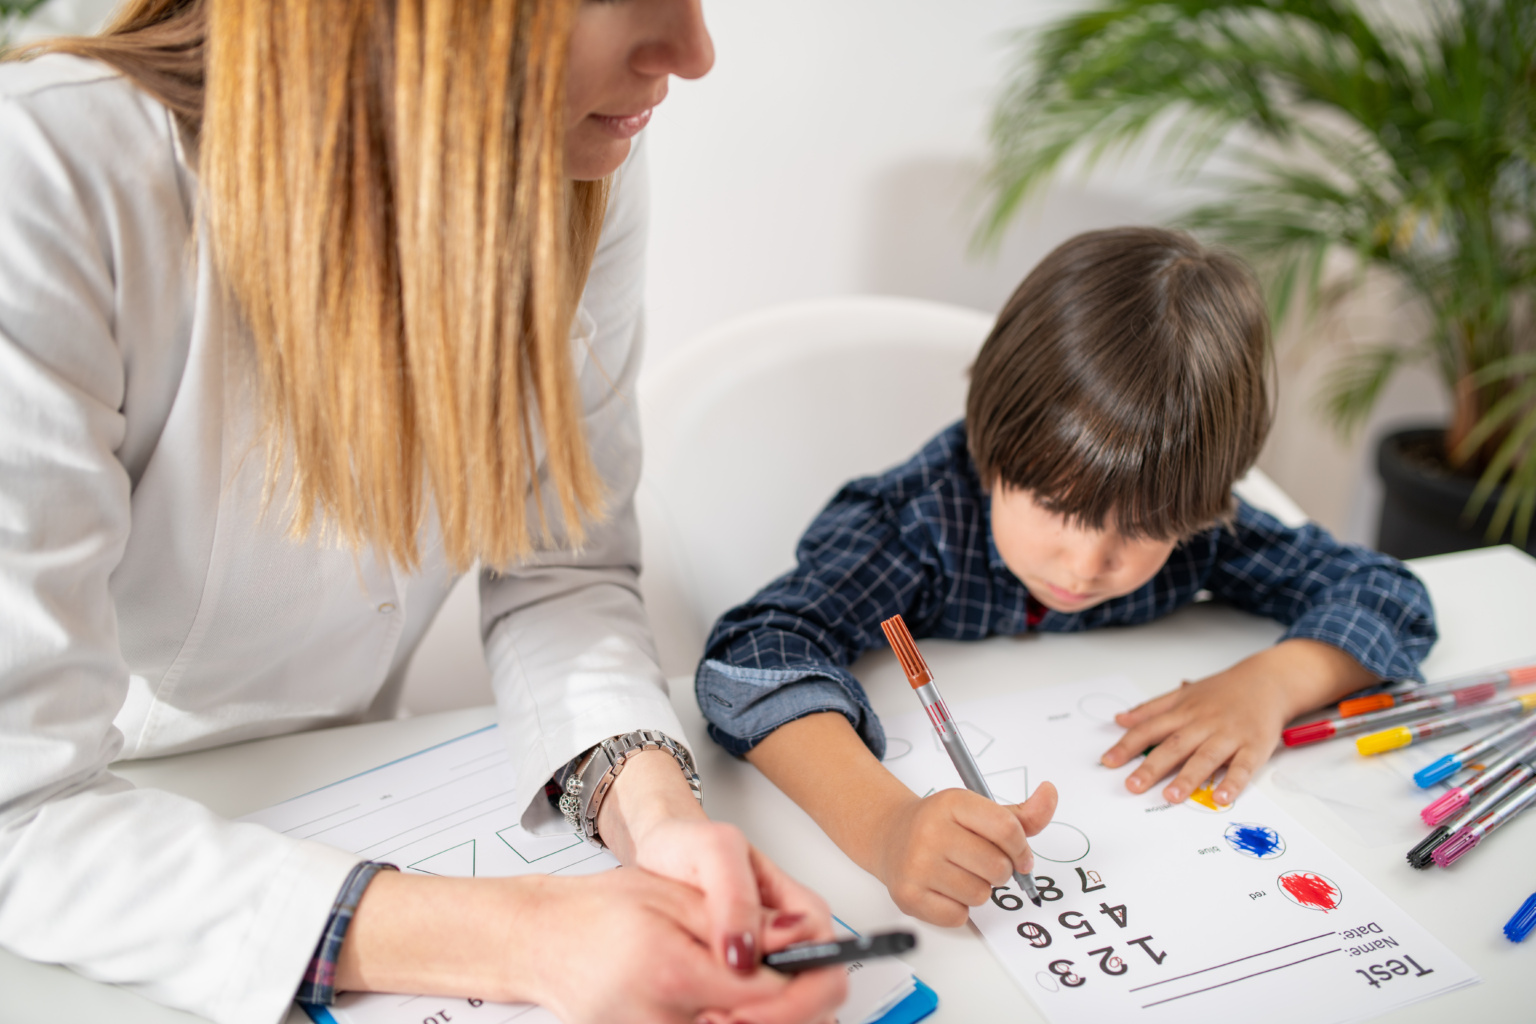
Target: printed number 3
1063, 970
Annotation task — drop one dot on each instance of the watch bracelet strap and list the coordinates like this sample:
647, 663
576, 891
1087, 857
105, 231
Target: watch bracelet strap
583, 796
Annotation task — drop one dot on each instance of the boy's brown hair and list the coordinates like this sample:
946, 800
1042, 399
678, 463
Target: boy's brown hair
1126, 383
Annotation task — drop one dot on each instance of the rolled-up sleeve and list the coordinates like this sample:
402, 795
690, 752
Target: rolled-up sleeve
785, 653
566, 635
1366, 604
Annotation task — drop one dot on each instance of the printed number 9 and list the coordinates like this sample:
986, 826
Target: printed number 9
1036, 935
1063, 970
1008, 901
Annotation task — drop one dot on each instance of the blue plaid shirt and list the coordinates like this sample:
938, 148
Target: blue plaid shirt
918, 540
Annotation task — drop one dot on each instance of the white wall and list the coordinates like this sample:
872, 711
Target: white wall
835, 149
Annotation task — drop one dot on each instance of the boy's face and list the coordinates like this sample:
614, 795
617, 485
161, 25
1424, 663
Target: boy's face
1065, 566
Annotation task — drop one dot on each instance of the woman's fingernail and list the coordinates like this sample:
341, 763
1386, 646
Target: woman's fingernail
786, 920
741, 952
1223, 797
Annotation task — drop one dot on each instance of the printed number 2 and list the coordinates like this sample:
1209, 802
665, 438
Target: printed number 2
1108, 962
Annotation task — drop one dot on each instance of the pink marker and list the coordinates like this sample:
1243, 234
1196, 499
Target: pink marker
1451, 803
1469, 836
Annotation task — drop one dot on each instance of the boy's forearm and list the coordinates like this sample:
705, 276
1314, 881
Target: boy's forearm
820, 762
1316, 673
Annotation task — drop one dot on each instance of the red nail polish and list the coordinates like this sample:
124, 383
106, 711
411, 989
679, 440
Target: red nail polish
741, 952
786, 920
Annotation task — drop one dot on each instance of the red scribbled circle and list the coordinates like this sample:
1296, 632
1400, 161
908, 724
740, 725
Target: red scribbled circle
1311, 890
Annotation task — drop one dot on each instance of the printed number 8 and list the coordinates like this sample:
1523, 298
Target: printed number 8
1063, 970
1047, 886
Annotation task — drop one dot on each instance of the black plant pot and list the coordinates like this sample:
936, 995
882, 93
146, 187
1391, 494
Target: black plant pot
1422, 509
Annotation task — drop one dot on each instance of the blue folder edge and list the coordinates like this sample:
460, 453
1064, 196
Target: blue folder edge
910, 1010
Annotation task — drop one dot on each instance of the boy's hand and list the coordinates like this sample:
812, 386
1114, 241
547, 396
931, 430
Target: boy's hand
1232, 718
942, 854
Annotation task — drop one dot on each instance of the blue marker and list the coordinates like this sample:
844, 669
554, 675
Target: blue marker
1524, 920
1450, 764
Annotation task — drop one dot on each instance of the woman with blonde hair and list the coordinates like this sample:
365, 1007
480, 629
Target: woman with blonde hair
305, 306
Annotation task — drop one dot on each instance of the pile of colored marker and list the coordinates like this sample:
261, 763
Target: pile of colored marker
1502, 764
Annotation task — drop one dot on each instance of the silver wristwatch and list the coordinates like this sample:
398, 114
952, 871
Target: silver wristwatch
593, 776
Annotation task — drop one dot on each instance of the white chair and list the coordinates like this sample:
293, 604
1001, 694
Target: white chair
752, 427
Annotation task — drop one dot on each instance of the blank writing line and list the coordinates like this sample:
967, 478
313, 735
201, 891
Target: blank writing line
1245, 977
1229, 963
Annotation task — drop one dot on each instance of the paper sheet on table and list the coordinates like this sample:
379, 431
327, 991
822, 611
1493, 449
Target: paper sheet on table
1167, 913
449, 810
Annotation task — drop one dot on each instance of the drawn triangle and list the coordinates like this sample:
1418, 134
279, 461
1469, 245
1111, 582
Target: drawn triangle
456, 861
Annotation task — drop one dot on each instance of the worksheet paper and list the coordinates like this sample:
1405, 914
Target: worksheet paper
449, 810
1155, 912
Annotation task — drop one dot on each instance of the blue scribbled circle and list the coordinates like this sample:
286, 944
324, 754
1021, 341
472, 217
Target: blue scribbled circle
1254, 840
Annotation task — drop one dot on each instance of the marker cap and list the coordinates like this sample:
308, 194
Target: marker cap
1313, 732
1387, 739
1447, 805
1422, 855
1442, 769
1454, 848
1524, 920
1364, 705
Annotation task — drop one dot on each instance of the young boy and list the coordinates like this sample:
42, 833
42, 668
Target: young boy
1122, 393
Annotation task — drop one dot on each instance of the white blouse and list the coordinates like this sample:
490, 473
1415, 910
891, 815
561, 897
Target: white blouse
148, 607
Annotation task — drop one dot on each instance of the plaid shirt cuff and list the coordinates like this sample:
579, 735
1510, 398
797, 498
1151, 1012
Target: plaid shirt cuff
319, 984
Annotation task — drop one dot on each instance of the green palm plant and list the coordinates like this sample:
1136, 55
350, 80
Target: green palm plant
1409, 146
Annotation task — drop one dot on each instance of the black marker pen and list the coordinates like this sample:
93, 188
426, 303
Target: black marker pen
807, 956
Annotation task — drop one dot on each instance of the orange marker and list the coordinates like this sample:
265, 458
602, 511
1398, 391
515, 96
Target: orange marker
1468, 690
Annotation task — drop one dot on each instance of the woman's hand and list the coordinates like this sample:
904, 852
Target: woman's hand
651, 820
628, 946
1232, 719
942, 854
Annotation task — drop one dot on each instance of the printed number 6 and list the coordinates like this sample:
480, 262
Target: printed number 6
1063, 970
1008, 900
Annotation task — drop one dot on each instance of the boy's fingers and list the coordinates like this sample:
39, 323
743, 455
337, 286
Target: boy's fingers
1164, 758
970, 852
1147, 709
1202, 764
1036, 812
959, 884
1137, 739
1239, 774
992, 822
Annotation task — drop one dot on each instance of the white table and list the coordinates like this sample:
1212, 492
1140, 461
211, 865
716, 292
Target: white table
1486, 604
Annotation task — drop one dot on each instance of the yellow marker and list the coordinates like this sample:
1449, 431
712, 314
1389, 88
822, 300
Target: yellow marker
1403, 735
1387, 739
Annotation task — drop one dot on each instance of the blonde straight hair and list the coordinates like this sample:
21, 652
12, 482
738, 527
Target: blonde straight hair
385, 197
